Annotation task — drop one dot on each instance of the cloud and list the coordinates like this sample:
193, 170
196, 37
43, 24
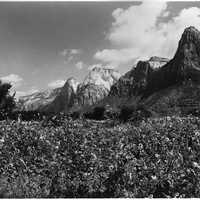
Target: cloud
136, 32
69, 54
56, 83
66, 52
14, 79
79, 65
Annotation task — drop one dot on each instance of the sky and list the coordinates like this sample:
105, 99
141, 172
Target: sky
42, 44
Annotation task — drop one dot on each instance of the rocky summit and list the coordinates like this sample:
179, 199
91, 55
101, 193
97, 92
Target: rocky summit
185, 64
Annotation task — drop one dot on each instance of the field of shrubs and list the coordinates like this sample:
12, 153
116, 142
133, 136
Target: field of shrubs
157, 157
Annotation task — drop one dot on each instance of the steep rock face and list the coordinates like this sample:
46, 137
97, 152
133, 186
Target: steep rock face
96, 85
89, 94
187, 58
65, 99
37, 100
184, 66
135, 81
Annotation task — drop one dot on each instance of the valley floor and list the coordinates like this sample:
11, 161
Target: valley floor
158, 157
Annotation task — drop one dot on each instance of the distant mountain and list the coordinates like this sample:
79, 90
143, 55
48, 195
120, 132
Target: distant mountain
96, 85
37, 100
94, 88
102, 76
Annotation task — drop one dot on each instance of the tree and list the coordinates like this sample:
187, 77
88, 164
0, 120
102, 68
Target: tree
126, 113
7, 102
97, 113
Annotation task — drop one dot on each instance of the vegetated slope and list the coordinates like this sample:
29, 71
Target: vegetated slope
180, 99
158, 158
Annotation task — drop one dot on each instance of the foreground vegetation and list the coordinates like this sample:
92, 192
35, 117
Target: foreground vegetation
158, 157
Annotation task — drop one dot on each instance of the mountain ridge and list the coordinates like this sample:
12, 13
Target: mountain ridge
147, 78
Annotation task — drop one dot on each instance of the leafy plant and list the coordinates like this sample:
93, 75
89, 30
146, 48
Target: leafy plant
160, 157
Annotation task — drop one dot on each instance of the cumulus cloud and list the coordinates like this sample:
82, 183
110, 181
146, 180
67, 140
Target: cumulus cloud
79, 65
66, 52
136, 32
69, 54
14, 79
56, 83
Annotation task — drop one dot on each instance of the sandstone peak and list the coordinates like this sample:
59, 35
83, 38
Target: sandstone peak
190, 35
190, 30
102, 76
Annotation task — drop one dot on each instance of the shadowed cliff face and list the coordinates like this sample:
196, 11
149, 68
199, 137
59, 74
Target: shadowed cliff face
65, 99
89, 94
184, 66
135, 81
187, 57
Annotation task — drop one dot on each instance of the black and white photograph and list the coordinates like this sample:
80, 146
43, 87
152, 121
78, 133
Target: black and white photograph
100, 99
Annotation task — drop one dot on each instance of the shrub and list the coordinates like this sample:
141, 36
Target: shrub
75, 115
126, 113
97, 113
7, 102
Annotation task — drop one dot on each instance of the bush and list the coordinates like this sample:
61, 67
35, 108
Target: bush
96, 114
7, 102
126, 113
75, 115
